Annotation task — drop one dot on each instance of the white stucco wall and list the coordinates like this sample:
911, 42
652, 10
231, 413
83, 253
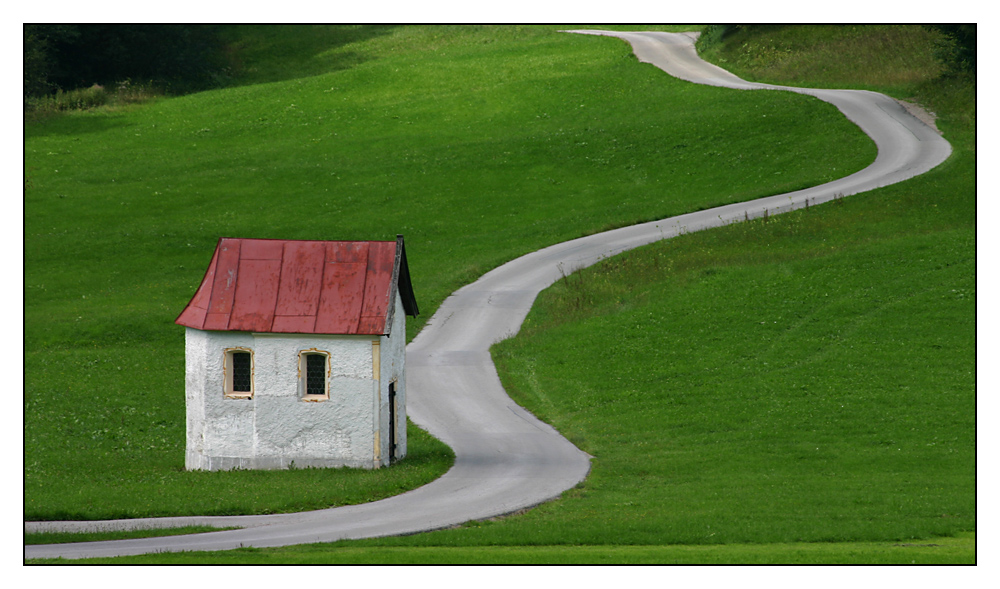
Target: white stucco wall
276, 427
393, 369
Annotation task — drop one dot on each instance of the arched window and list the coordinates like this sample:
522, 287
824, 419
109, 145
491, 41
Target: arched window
314, 375
239, 373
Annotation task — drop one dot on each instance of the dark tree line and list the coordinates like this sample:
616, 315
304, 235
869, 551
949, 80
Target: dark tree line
959, 52
182, 57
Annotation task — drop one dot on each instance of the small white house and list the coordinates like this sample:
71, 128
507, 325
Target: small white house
295, 355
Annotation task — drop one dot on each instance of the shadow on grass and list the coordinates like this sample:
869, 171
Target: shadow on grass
66, 124
255, 54
260, 54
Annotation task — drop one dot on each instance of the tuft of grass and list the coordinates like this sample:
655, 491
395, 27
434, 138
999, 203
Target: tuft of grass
72, 537
125, 94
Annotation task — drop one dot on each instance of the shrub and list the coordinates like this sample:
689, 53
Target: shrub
957, 49
125, 92
72, 100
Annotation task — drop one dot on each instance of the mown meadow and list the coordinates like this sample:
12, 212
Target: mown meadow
804, 378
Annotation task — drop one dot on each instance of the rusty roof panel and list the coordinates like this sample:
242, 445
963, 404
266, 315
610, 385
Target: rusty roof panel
296, 324
297, 286
377, 289
192, 314
347, 252
340, 304
216, 321
256, 295
262, 249
224, 282
301, 278
371, 325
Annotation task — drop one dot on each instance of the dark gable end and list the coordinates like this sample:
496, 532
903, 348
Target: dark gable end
401, 280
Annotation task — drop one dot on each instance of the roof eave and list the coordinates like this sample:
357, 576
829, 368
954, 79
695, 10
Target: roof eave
400, 285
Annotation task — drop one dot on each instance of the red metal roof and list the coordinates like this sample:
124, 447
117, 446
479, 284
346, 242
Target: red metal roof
290, 286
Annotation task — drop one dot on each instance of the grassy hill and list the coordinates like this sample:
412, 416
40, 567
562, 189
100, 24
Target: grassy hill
480, 144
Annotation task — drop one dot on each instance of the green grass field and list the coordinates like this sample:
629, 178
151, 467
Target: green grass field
940, 551
805, 379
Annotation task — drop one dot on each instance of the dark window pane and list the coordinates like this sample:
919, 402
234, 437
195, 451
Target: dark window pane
315, 374
241, 372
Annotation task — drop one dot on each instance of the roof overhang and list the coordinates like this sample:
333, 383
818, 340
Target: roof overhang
298, 286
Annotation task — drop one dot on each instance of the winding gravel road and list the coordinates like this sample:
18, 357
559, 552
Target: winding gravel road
506, 459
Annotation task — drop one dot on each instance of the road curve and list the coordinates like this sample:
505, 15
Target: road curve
506, 459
